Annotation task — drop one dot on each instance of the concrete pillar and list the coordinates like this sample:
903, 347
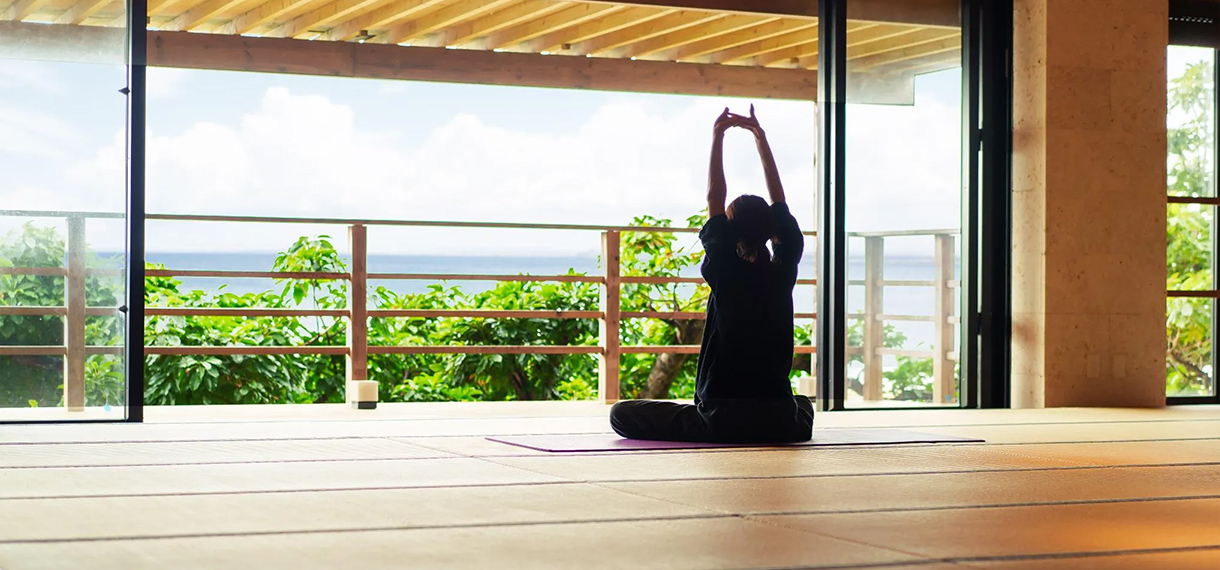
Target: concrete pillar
1089, 147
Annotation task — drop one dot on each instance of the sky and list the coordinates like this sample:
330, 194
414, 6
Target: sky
294, 146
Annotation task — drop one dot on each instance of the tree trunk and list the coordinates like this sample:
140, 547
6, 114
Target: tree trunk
803, 362
520, 380
668, 366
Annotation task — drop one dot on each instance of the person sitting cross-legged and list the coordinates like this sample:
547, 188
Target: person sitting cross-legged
742, 389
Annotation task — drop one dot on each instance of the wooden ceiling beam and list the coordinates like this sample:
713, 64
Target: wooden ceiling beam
264, 13
81, 11
559, 40
766, 31
368, 60
315, 22
679, 20
565, 18
709, 32
381, 18
445, 17
22, 9
201, 13
507, 17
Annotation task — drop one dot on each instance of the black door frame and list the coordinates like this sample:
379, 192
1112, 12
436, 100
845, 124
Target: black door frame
137, 66
1197, 23
987, 221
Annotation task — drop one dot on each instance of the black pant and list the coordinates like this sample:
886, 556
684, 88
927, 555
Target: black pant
763, 420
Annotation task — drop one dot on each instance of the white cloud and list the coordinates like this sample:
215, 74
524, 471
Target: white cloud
29, 76
301, 155
30, 132
164, 82
903, 167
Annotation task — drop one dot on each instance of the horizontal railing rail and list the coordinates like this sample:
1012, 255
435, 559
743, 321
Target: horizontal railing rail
609, 315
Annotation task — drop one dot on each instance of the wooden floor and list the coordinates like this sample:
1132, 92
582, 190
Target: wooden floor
417, 486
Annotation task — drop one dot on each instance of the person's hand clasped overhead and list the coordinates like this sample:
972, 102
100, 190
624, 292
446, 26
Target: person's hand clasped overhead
727, 120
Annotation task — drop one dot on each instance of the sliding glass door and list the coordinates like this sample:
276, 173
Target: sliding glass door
902, 204
64, 96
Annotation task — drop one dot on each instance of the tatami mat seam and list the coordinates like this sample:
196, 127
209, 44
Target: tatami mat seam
965, 560
1026, 504
607, 481
351, 530
379, 420
753, 518
932, 472
1084, 554
362, 436
239, 462
604, 414
750, 517
406, 439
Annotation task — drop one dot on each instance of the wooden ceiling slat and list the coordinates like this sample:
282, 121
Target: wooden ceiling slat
714, 30
201, 13
507, 17
159, 7
766, 31
677, 21
934, 13
951, 44
927, 63
261, 14
557, 40
22, 9
858, 34
899, 41
776, 43
444, 17
81, 11
571, 16
316, 20
381, 18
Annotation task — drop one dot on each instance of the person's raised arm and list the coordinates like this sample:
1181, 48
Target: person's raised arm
789, 244
717, 188
774, 188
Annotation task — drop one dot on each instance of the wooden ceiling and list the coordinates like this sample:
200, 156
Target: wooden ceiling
700, 32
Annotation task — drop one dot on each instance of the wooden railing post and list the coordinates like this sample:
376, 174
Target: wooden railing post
944, 369
74, 322
610, 324
361, 393
873, 329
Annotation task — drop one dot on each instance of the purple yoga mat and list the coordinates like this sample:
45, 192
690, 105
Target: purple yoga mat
821, 438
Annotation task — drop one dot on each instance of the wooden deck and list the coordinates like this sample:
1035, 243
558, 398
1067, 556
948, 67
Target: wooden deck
417, 486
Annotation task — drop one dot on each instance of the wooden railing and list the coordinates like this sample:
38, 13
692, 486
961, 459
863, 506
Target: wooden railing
357, 349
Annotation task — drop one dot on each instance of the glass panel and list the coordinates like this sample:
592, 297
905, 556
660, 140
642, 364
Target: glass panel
1188, 366
62, 223
904, 206
1192, 121
1191, 227
1190, 259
